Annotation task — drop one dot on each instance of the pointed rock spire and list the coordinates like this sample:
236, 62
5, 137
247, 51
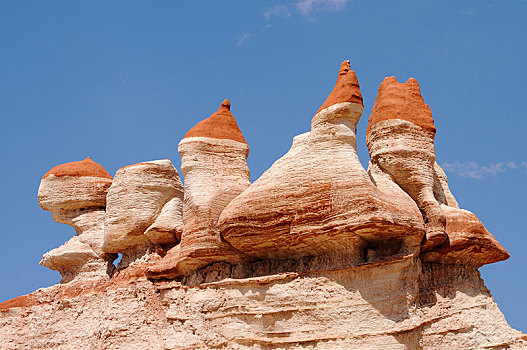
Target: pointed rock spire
86, 167
317, 200
401, 101
220, 125
214, 165
346, 89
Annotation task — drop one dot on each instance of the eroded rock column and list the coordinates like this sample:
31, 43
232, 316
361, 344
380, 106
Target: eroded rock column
400, 139
214, 164
75, 194
144, 209
317, 200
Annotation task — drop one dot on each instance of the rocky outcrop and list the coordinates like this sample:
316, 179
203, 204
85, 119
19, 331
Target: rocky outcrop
399, 304
316, 254
75, 194
317, 200
214, 164
144, 209
468, 240
400, 139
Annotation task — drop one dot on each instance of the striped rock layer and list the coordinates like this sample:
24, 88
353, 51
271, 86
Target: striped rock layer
400, 139
75, 194
214, 164
318, 199
144, 208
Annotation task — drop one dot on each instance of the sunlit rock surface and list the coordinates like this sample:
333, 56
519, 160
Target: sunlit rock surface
75, 194
318, 253
214, 165
318, 199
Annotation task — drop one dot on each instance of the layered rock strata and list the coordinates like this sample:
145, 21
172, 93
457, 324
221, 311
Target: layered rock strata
399, 304
468, 240
214, 164
317, 200
400, 139
324, 255
75, 194
144, 209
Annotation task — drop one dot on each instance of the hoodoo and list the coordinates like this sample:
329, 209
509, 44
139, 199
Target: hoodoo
400, 138
214, 164
144, 209
75, 194
317, 200
318, 253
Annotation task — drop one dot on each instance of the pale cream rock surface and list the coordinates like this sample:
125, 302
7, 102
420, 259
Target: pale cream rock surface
328, 253
144, 208
75, 194
214, 164
318, 199
397, 304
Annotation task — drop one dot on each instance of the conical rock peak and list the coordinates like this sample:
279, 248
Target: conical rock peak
220, 125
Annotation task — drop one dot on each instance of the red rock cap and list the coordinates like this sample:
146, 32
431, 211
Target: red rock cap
346, 89
401, 101
220, 125
86, 167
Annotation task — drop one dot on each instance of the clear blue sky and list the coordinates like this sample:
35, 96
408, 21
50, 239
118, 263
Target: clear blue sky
123, 81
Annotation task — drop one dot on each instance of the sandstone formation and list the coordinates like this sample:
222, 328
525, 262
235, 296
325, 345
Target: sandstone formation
75, 194
214, 164
400, 138
401, 142
399, 304
144, 208
318, 199
318, 253
468, 240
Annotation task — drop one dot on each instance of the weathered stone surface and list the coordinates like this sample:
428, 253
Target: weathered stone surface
401, 142
74, 185
400, 139
144, 208
329, 255
468, 240
398, 304
75, 194
214, 164
318, 199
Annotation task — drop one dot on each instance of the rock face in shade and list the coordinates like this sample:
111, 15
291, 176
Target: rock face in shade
401, 143
318, 199
214, 164
144, 208
400, 139
75, 194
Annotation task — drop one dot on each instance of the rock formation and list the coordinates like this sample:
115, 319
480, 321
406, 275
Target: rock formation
468, 240
144, 209
400, 138
316, 254
214, 164
75, 194
318, 199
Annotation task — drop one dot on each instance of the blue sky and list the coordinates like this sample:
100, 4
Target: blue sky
122, 82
